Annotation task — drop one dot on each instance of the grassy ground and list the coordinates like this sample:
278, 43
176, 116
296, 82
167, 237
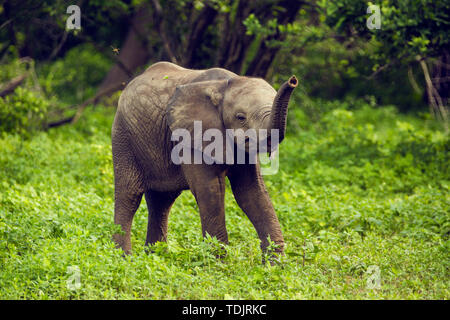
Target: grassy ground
356, 189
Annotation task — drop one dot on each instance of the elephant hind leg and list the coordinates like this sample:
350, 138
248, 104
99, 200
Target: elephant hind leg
124, 210
158, 204
127, 197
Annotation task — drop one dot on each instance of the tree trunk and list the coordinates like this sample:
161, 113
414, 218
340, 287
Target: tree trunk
441, 76
134, 52
198, 29
437, 107
263, 59
235, 42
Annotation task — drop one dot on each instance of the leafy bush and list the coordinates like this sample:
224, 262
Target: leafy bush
75, 77
23, 112
69, 80
11, 66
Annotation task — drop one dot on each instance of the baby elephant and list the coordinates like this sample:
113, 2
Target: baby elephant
168, 103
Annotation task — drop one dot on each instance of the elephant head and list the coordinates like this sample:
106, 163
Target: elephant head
233, 103
251, 103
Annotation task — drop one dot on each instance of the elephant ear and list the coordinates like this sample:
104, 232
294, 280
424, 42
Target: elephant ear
197, 106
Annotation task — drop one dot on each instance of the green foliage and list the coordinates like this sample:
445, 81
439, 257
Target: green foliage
219, 5
75, 77
39, 25
359, 185
337, 56
23, 112
11, 66
47, 90
254, 26
408, 28
328, 43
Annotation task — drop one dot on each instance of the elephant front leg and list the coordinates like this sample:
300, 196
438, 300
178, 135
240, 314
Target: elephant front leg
251, 195
207, 184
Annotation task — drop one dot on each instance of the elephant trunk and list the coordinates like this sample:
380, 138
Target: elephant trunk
280, 106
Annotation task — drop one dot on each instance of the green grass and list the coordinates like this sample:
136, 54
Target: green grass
356, 188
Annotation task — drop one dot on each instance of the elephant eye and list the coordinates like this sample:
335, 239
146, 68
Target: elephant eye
240, 117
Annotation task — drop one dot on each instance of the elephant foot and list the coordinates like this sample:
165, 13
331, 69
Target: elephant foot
122, 243
273, 259
272, 253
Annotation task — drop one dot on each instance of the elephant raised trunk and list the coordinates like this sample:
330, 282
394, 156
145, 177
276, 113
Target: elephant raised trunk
280, 106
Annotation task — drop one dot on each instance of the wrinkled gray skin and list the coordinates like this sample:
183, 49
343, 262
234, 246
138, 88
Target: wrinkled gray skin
166, 97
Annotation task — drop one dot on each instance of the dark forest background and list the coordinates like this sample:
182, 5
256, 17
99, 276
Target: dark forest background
325, 43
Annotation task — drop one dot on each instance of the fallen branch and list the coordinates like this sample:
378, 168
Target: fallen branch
9, 87
6, 23
91, 101
105, 92
59, 122
385, 66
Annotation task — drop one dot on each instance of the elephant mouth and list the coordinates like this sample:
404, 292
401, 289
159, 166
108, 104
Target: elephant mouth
262, 146
269, 143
